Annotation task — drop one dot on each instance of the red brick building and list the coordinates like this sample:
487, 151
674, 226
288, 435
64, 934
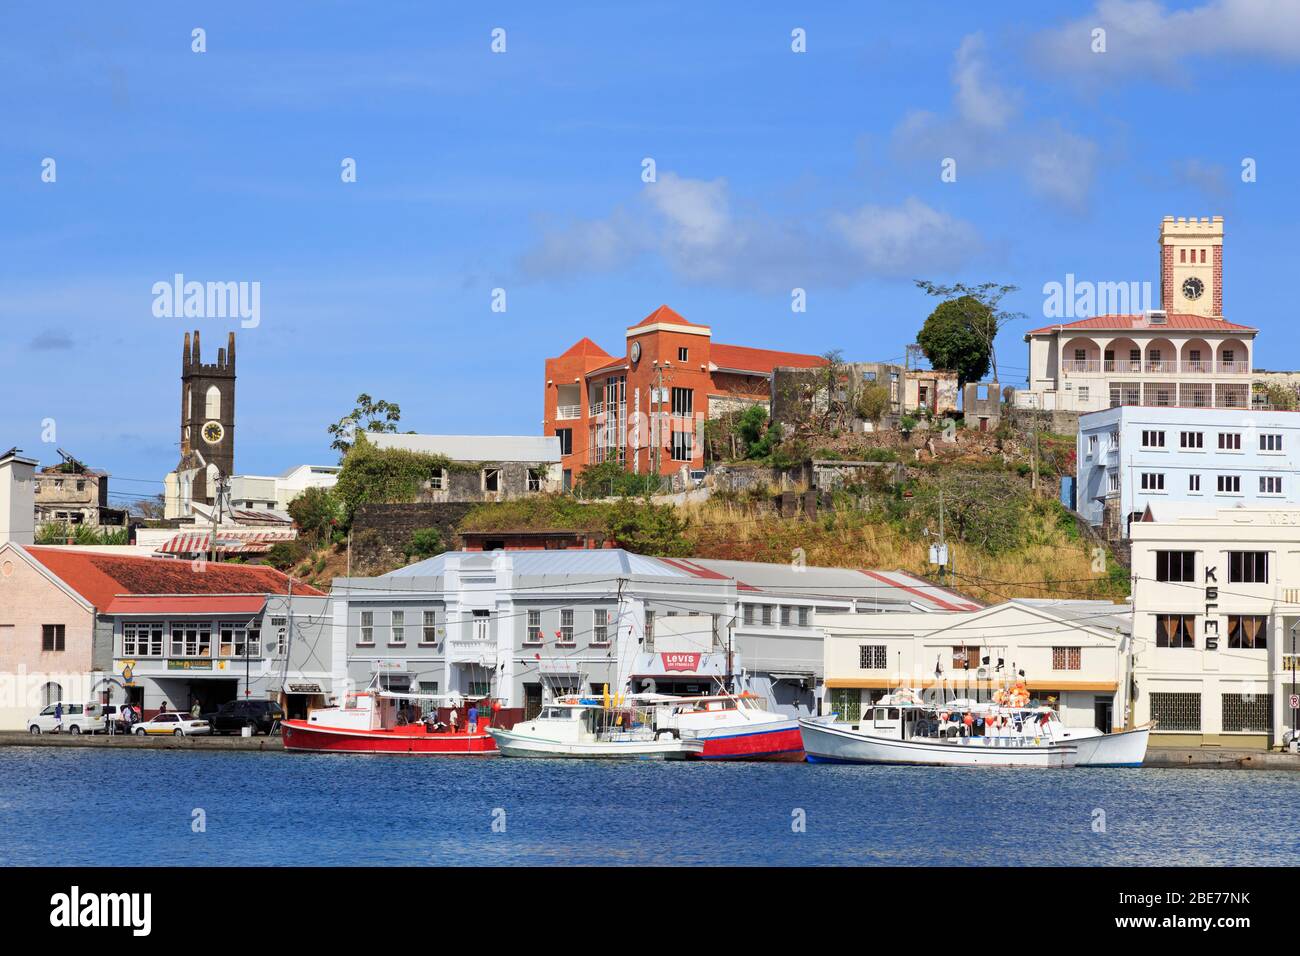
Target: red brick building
646, 407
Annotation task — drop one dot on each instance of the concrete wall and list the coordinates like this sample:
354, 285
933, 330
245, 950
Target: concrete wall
381, 532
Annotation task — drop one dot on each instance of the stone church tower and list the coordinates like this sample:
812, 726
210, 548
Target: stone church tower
207, 426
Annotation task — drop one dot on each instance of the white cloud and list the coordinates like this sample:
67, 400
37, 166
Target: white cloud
1145, 37
691, 227
979, 99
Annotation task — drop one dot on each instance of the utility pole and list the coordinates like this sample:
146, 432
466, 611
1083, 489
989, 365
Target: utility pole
219, 492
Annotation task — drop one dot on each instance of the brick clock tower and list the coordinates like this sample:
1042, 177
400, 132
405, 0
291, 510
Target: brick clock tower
207, 424
1191, 266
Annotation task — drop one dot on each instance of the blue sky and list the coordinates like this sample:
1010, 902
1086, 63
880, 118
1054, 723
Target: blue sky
523, 171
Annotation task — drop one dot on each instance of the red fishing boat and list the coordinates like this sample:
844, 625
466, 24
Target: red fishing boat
371, 722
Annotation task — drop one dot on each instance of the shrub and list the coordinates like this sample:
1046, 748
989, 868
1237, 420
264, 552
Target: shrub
316, 512
424, 543
372, 475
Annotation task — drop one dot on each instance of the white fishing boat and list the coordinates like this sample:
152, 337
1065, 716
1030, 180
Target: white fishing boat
731, 726
1121, 748
902, 729
582, 727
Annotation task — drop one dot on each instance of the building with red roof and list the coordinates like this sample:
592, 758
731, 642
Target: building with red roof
1186, 353
83, 625
645, 407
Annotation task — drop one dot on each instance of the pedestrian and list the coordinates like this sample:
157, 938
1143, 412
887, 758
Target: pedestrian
453, 717
163, 708
195, 709
471, 725
58, 715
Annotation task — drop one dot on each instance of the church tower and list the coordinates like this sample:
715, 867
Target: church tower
1191, 266
207, 419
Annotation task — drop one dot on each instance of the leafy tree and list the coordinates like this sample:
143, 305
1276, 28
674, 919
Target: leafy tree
610, 479
373, 475
370, 416
424, 543
872, 402
759, 435
950, 340
644, 528
981, 305
283, 555
985, 509
316, 512
151, 509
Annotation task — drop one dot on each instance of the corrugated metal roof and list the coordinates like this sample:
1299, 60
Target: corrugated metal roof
579, 562
475, 447
1102, 614
188, 604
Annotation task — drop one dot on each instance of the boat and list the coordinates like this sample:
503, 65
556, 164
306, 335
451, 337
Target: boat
903, 729
1120, 748
370, 722
591, 728
731, 726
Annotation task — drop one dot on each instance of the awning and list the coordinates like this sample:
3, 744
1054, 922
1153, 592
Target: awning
303, 687
209, 604
805, 675
227, 542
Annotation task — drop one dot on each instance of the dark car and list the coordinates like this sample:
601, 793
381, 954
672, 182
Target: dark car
232, 717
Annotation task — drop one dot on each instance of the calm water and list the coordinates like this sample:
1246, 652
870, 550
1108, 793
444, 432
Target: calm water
72, 806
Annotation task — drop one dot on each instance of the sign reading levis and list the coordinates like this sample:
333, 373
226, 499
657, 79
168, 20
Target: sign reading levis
680, 661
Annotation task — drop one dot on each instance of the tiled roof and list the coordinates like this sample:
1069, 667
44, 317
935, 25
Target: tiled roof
100, 578
585, 347
667, 316
1128, 323
760, 360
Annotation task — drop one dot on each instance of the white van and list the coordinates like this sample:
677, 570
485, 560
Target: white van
77, 719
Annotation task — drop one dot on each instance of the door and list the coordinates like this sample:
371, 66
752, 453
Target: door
1104, 713
532, 700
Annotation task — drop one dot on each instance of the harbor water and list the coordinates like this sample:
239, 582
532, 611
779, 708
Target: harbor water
74, 806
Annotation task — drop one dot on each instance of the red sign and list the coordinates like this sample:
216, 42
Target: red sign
681, 662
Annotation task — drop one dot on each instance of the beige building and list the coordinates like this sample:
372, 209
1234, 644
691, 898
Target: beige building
1072, 654
1216, 608
1184, 353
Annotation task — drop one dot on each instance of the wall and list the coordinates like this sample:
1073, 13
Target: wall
381, 532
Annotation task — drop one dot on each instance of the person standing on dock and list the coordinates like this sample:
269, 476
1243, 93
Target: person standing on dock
58, 715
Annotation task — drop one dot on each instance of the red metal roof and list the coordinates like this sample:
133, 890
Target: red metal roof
585, 347
228, 542
188, 604
746, 359
102, 578
666, 315
1127, 323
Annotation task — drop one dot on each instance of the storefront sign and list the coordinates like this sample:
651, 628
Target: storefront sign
189, 665
303, 688
680, 661
1211, 606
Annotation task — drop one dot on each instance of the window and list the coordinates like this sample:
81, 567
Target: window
565, 435
1248, 632
491, 479
1248, 567
1270, 484
1175, 630
649, 630
534, 628
1153, 439
1248, 713
1229, 484
191, 640
1067, 658
847, 703
803, 617
1229, 441
367, 627
1182, 255
683, 402
600, 626
52, 637
438, 480
1092, 445
212, 403
1227, 356
429, 635
142, 639
1114, 439
785, 615
1084, 394
1176, 711
1080, 355
767, 615
239, 639
683, 446
1194, 483
683, 354
747, 614
872, 657
534, 479
965, 658
1270, 442
1191, 439
1153, 481
397, 628
566, 626
1175, 565
1112, 481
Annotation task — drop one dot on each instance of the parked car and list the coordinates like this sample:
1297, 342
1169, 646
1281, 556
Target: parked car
233, 716
76, 720
181, 725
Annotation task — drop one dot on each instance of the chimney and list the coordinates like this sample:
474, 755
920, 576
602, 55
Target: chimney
17, 498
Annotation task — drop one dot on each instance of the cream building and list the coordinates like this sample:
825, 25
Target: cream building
1216, 611
1071, 652
1184, 353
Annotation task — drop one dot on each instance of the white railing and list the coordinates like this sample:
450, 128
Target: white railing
1162, 367
565, 412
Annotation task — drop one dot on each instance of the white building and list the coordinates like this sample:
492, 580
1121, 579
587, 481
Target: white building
274, 492
1216, 606
1071, 653
17, 497
1176, 461
1185, 353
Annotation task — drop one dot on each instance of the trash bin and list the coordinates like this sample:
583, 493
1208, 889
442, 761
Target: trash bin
245, 731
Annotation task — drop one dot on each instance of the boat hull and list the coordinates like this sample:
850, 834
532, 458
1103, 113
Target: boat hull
312, 738
783, 743
829, 743
1125, 748
511, 744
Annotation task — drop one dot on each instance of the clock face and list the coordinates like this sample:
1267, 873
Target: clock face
213, 432
1192, 288
636, 351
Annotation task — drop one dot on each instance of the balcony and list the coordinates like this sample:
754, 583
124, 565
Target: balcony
568, 412
1124, 367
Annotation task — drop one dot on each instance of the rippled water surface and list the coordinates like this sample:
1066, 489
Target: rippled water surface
79, 806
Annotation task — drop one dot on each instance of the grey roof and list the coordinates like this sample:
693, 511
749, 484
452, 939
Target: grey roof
1103, 614
570, 561
537, 448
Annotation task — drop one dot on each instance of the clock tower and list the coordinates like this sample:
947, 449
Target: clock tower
1191, 266
207, 419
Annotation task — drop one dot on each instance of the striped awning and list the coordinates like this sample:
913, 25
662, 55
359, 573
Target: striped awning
227, 542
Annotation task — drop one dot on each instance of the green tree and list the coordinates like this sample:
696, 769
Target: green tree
369, 416
984, 509
373, 475
424, 543
950, 341
872, 402
758, 435
981, 306
610, 479
643, 528
316, 512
